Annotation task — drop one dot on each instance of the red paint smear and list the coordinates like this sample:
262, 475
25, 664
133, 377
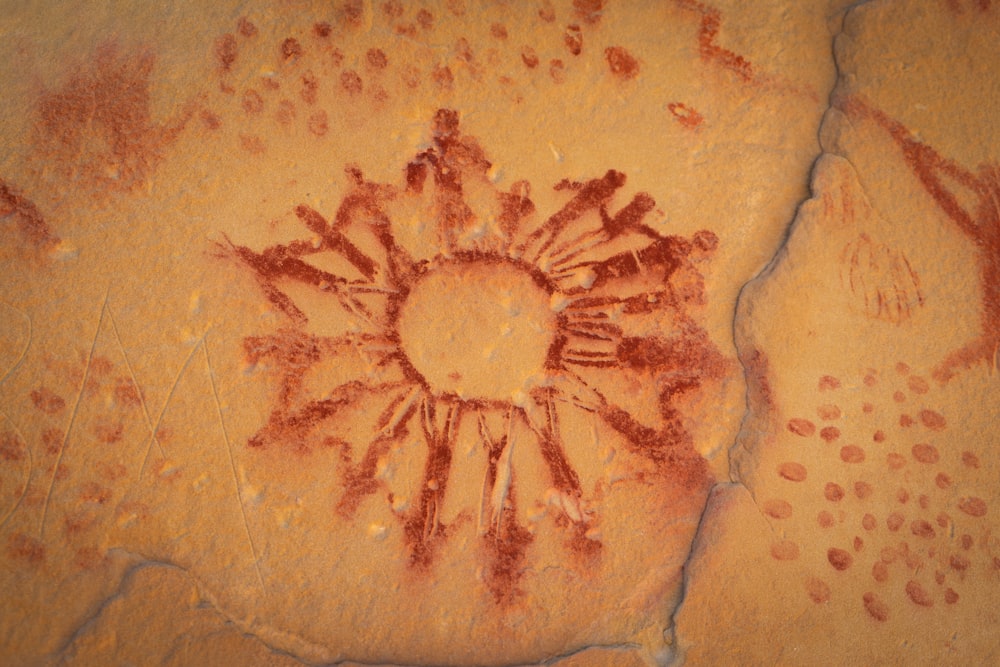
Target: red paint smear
875, 607
97, 128
573, 38
839, 559
981, 226
30, 222
685, 115
801, 427
918, 595
828, 382
711, 22
529, 57
621, 63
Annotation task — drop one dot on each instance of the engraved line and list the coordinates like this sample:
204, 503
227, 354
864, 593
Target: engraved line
166, 402
232, 463
27, 480
72, 416
27, 344
135, 381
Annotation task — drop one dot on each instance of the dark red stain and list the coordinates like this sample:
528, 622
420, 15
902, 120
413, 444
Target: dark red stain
946, 181
96, 130
425, 19
685, 115
573, 38
377, 59
30, 222
875, 607
918, 595
852, 454
245, 27
210, 119
291, 49
801, 427
711, 22
318, 123
47, 401
21, 547
310, 88
252, 102
226, 51
818, 590
621, 63
322, 29
828, 382
588, 11
546, 11
975, 507
792, 471
829, 433
925, 453
833, 492
680, 364
839, 558
442, 76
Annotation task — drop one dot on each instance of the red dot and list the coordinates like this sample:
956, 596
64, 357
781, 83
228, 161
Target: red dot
867, 407
894, 521
818, 590
862, 489
785, 550
918, 385
932, 420
852, 454
959, 562
899, 397
922, 528
970, 459
802, 427
942, 480
895, 461
903, 496
829, 433
871, 380
918, 594
880, 571
858, 543
825, 519
828, 412
868, 522
778, 509
792, 471
966, 542
950, 596
875, 607
902, 368
833, 492
943, 520
905, 420
879, 436
924, 500
828, 382
973, 506
839, 559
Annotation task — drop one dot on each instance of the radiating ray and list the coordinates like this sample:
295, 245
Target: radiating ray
540, 416
391, 428
627, 219
593, 193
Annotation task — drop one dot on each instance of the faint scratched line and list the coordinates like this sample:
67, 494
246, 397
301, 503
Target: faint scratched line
135, 381
27, 344
27, 479
232, 462
72, 416
166, 402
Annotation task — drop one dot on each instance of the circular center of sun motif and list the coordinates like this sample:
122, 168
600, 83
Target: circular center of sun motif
480, 330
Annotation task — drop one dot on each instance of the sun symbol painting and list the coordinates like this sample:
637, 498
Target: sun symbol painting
495, 385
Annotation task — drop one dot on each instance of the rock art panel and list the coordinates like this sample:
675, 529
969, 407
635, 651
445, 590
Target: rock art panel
396, 333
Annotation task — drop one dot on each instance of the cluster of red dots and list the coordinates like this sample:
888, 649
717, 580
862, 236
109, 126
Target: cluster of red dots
916, 522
